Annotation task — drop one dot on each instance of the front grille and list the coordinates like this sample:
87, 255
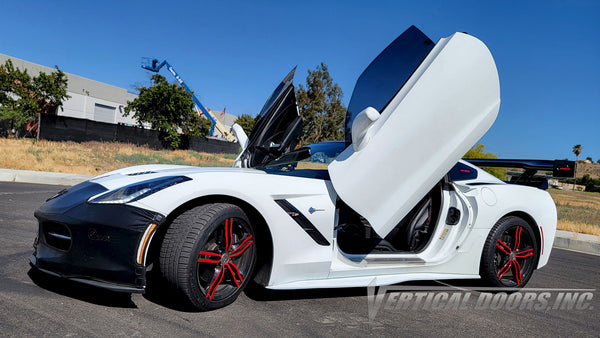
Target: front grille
57, 235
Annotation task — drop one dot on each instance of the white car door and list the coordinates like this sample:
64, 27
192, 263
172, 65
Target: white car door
428, 123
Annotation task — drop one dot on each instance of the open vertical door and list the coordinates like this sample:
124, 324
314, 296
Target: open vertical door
277, 129
430, 103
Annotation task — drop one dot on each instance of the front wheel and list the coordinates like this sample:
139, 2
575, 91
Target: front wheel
510, 253
209, 254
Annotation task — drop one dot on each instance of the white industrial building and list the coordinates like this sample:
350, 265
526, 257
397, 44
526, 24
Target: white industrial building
95, 100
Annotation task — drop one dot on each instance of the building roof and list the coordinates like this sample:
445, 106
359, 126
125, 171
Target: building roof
227, 119
75, 83
81, 85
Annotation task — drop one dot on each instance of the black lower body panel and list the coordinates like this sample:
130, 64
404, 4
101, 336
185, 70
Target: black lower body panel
96, 244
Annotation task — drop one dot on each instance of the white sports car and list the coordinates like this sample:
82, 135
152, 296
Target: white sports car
393, 201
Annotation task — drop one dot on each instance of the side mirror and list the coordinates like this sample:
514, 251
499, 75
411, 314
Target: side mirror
361, 125
242, 139
240, 135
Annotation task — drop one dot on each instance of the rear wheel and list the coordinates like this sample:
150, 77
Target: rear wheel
510, 253
209, 254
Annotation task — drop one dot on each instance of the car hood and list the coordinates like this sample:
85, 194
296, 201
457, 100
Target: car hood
122, 177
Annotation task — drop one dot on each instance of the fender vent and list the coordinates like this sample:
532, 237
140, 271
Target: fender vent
303, 222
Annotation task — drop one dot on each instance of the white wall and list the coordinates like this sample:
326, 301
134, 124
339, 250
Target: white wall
85, 107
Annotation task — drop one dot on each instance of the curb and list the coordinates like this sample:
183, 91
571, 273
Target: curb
41, 177
577, 242
563, 240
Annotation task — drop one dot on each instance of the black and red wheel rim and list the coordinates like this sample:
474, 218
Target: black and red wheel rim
514, 256
225, 260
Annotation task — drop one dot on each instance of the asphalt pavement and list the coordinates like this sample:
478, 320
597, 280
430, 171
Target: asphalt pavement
34, 305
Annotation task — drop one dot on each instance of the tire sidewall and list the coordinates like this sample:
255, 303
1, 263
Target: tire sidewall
488, 268
195, 293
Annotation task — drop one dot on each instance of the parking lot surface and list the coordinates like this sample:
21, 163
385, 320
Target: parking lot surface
33, 304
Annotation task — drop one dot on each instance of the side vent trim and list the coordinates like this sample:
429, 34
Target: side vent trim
303, 222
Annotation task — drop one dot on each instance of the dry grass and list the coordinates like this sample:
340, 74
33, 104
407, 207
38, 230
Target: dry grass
93, 158
581, 228
577, 211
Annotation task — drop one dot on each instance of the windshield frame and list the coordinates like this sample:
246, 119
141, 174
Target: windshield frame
322, 152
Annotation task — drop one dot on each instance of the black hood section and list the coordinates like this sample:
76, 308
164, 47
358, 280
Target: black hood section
278, 127
71, 197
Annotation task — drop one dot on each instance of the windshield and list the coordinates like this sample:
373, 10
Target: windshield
310, 161
386, 75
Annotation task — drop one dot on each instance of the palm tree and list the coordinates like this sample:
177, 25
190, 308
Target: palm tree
576, 151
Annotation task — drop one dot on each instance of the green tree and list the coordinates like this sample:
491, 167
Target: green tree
589, 159
198, 126
23, 97
478, 151
321, 107
577, 151
246, 122
168, 108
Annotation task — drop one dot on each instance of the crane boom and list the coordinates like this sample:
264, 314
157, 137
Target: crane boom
155, 65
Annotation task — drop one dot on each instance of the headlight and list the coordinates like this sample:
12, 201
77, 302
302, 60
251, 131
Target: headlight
136, 191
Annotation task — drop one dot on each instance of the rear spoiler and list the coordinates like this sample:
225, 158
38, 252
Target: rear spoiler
559, 168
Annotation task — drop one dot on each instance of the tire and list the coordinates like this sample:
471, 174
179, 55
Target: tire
208, 254
510, 253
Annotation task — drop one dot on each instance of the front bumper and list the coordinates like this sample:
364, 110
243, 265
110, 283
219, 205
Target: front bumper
97, 244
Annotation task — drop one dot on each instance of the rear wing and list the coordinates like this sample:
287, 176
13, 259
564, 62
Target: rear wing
559, 169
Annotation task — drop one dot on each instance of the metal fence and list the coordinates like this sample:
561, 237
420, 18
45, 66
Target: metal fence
63, 128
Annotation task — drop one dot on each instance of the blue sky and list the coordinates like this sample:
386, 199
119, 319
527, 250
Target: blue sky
233, 53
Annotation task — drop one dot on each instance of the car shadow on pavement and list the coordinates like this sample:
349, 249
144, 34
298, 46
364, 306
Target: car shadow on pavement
83, 292
260, 293
158, 291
